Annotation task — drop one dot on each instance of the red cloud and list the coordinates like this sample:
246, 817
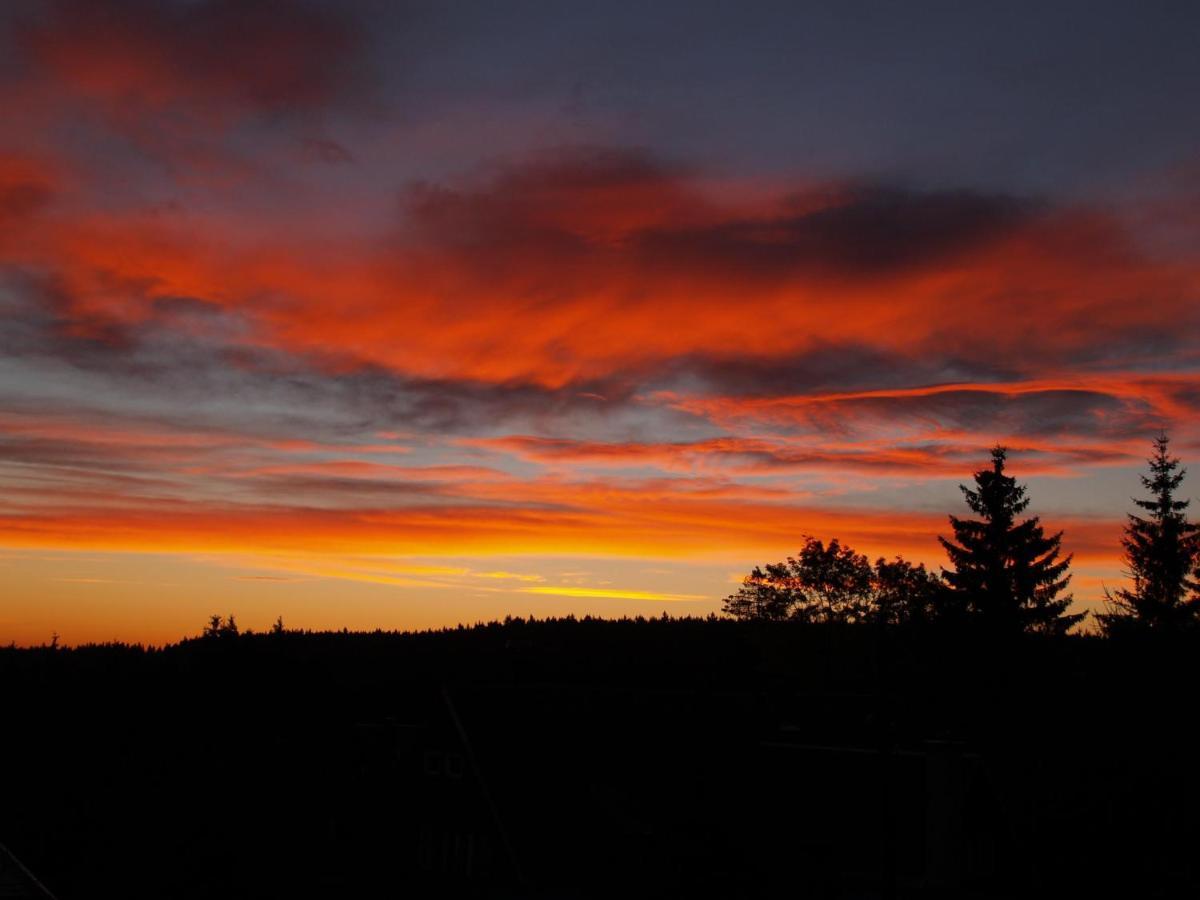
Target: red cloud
213, 59
553, 275
1113, 406
27, 185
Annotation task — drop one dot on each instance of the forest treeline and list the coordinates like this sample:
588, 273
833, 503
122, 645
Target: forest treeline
638, 757
1005, 574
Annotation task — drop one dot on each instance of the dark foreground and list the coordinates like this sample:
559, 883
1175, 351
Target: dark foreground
594, 759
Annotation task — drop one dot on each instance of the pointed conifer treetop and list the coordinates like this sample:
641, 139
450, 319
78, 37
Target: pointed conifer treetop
1161, 552
1005, 571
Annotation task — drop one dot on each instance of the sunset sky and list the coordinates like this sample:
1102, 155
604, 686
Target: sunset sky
403, 314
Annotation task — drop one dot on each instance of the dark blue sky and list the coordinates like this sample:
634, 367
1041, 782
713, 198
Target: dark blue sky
1056, 98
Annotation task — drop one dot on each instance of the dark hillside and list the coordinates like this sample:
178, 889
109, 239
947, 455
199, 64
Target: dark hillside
585, 758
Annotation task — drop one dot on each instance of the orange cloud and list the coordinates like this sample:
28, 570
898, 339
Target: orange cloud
648, 519
575, 280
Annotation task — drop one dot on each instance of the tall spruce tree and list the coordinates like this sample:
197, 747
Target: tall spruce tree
1161, 555
1006, 574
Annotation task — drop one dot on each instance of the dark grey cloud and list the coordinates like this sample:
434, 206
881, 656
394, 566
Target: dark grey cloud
863, 231
194, 363
318, 490
764, 456
1036, 414
824, 368
1052, 415
552, 207
329, 152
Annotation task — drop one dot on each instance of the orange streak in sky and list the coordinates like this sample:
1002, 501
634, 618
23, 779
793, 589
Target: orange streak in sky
612, 523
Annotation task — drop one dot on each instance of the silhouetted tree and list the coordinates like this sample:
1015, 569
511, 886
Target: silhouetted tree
904, 594
1007, 573
832, 583
277, 626
1161, 553
835, 583
765, 594
822, 583
213, 628
221, 628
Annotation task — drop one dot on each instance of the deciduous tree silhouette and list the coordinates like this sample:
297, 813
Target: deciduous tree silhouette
820, 584
832, 583
904, 594
765, 594
1007, 573
1161, 553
